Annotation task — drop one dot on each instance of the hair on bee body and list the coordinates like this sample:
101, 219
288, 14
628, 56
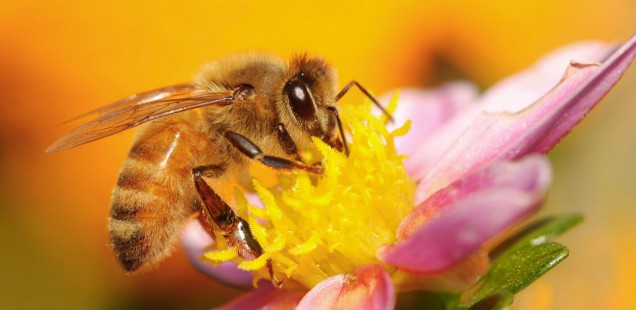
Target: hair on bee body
239, 110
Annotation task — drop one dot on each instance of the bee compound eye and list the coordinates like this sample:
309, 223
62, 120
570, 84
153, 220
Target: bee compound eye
300, 100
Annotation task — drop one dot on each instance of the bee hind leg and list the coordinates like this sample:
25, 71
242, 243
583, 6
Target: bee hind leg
214, 207
233, 227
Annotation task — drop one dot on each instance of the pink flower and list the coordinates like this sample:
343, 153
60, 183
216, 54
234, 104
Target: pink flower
479, 166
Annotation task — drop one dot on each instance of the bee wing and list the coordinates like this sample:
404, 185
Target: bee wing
136, 110
136, 99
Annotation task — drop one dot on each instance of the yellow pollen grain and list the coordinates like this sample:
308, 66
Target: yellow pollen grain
255, 264
221, 256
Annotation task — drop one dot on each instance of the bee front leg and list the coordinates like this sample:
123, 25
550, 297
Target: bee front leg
251, 150
287, 143
233, 227
342, 143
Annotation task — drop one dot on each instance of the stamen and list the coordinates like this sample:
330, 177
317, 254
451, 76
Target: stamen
314, 227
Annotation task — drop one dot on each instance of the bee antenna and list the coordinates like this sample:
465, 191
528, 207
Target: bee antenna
366, 93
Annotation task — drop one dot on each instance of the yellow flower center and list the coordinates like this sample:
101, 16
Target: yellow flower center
317, 226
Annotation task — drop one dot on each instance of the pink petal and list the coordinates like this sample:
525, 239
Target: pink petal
511, 94
560, 121
477, 208
265, 297
428, 110
524, 175
496, 135
195, 241
369, 288
519, 91
458, 278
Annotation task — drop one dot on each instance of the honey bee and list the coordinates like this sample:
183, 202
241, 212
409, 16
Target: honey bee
238, 110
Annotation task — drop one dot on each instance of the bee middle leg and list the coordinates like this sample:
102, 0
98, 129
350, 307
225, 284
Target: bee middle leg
233, 227
251, 150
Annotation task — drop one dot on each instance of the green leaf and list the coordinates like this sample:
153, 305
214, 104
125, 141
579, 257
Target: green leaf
536, 233
517, 269
516, 263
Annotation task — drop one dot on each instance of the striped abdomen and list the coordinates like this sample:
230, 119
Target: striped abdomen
155, 194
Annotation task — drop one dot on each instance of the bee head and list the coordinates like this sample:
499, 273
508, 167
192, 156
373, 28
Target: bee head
308, 92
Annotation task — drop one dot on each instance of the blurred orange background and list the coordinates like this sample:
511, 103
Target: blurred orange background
61, 58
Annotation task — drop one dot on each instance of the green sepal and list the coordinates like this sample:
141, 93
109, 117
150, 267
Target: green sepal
536, 233
515, 270
520, 260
